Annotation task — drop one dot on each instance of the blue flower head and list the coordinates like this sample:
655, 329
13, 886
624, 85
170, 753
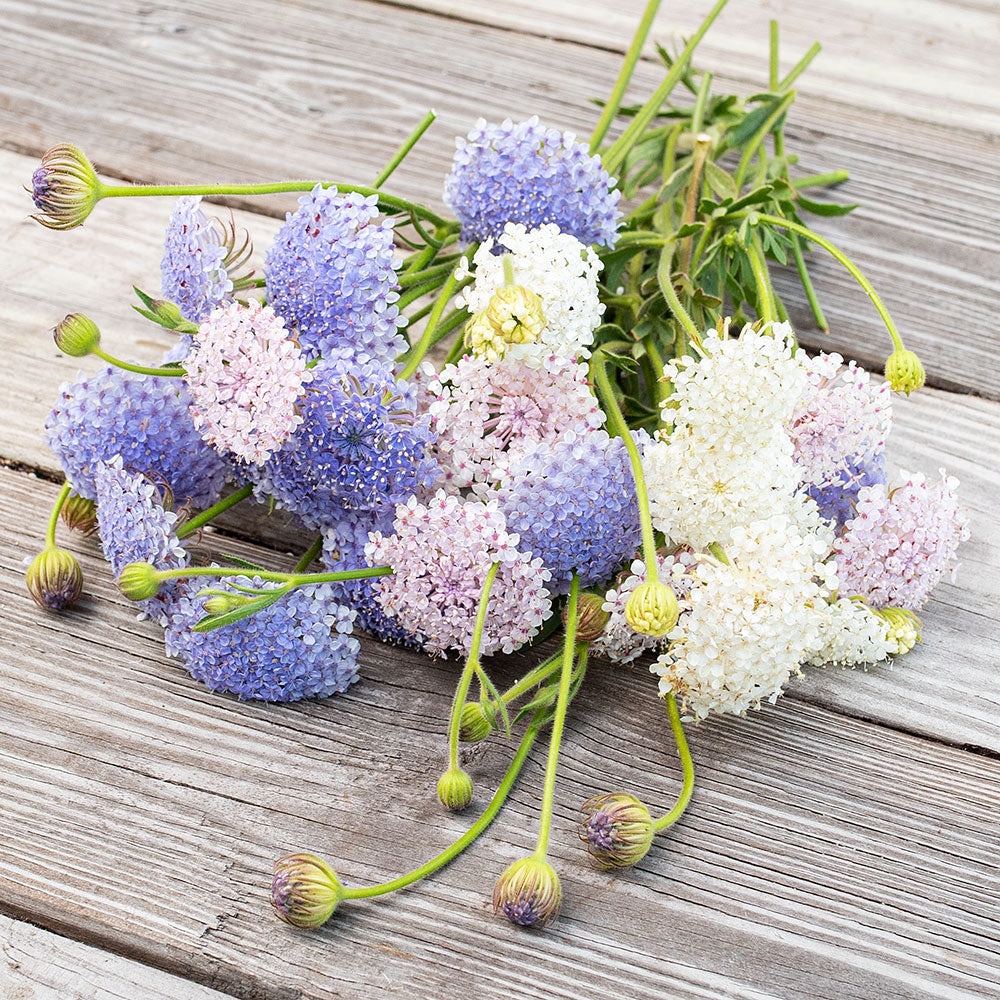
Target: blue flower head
360, 447
299, 647
836, 500
530, 174
145, 420
330, 274
573, 505
193, 268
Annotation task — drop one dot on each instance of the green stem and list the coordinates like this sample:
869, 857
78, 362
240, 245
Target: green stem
139, 369
665, 274
558, 720
292, 579
50, 530
428, 273
766, 309
199, 520
807, 285
600, 377
477, 828
686, 764
624, 75
659, 389
773, 61
758, 138
307, 557
702, 145
471, 666
411, 141
800, 67
427, 337
533, 677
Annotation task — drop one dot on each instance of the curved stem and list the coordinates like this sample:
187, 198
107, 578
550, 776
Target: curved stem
686, 764
489, 813
199, 520
765, 294
665, 278
558, 719
139, 369
427, 337
471, 666
533, 677
50, 530
409, 143
293, 579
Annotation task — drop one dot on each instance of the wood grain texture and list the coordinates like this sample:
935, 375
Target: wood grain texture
170, 92
822, 857
37, 965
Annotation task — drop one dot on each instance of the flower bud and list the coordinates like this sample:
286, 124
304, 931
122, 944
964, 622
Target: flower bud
616, 829
305, 890
483, 338
138, 581
170, 317
904, 371
591, 618
902, 629
651, 609
474, 726
76, 335
455, 789
516, 313
55, 579
222, 604
79, 514
528, 893
64, 188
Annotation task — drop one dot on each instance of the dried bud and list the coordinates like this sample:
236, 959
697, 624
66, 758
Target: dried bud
474, 726
55, 579
591, 618
455, 789
80, 514
902, 629
305, 890
528, 893
64, 188
516, 313
139, 581
76, 335
651, 609
904, 371
616, 829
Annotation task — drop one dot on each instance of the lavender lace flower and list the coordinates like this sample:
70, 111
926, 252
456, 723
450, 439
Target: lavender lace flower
533, 175
330, 274
836, 500
573, 505
146, 421
299, 647
193, 268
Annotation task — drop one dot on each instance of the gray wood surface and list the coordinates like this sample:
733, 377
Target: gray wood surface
840, 845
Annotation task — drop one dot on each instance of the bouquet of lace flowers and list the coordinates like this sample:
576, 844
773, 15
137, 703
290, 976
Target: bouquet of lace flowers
620, 438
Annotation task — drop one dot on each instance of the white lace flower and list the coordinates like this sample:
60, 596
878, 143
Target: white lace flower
852, 634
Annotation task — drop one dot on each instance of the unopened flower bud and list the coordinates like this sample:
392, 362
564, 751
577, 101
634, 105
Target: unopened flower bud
591, 618
528, 893
79, 514
483, 338
76, 335
64, 188
169, 315
455, 789
305, 890
904, 371
474, 726
902, 629
222, 604
651, 609
516, 312
54, 579
616, 829
138, 581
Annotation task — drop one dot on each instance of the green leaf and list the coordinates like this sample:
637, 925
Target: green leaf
826, 208
237, 561
721, 183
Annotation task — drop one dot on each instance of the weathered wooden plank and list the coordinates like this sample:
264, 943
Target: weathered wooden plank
822, 858
38, 965
928, 191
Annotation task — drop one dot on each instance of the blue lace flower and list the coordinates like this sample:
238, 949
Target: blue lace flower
530, 174
573, 505
299, 647
193, 268
360, 447
145, 420
330, 274
836, 501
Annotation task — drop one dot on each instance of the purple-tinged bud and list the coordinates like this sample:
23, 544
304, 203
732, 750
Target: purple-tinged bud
652, 609
528, 893
76, 335
55, 579
474, 726
616, 829
64, 188
591, 618
79, 514
904, 371
455, 789
139, 581
305, 890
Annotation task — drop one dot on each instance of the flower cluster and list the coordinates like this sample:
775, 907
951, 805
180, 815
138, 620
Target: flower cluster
193, 269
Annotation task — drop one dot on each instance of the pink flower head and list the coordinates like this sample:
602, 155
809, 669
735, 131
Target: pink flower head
900, 542
487, 414
440, 554
246, 373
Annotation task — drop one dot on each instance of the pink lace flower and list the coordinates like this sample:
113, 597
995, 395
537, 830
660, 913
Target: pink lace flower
245, 374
